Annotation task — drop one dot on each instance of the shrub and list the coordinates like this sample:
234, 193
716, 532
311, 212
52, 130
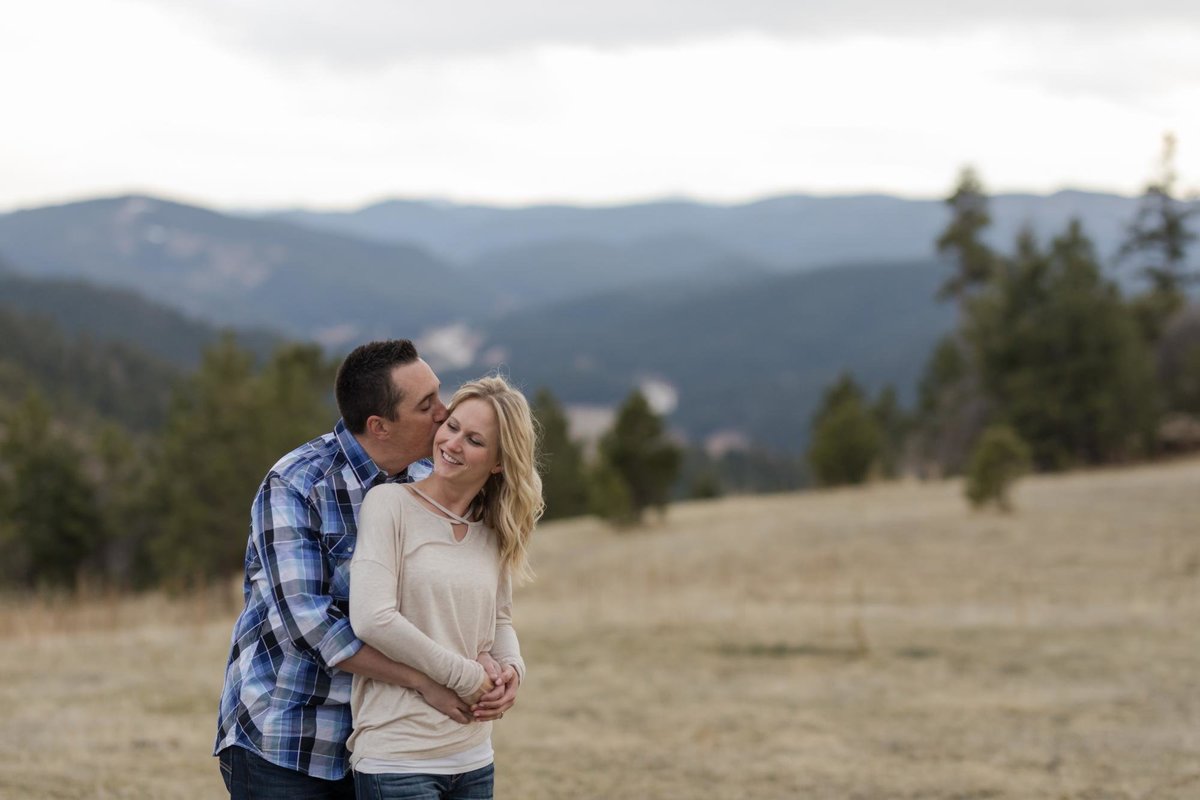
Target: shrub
999, 458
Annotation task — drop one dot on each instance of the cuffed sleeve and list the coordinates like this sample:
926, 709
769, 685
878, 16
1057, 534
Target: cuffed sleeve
506, 649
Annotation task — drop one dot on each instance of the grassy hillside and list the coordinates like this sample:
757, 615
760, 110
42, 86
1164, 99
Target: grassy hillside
874, 643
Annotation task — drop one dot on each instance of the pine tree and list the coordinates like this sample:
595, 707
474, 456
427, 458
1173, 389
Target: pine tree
1159, 237
211, 461
564, 485
962, 239
846, 436
1178, 361
999, 459
124, 501
226, 428
53, 523
294, 396
1060, 356
609, 496
951, 407
894, 426
639, 452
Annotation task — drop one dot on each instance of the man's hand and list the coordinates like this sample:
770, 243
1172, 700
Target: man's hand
484, 689
493, 704
370, 663
446, 701
490, 666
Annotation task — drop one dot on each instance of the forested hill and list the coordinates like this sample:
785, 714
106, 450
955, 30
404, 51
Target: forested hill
81, 377
526, 276
104, 313
749, 359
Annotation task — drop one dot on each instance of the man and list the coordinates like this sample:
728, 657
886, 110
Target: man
285, 708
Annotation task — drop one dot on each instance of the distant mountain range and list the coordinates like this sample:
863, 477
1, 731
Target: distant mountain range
234, 271
787, 233
735, 316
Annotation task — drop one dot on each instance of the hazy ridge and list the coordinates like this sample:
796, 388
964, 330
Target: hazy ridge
744, 312
785, 233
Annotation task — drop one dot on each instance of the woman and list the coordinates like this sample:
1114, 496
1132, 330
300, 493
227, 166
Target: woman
431, 586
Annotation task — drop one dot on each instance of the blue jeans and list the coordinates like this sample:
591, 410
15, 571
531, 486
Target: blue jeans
473, 785
251, 777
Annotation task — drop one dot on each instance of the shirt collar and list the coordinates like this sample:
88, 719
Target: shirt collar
366, 470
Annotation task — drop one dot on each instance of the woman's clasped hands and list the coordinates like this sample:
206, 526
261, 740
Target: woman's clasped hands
499, 690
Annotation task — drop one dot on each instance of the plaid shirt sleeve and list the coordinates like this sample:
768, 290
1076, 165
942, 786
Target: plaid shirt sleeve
287, 531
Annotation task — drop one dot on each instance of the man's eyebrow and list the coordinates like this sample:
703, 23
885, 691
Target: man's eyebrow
428, 397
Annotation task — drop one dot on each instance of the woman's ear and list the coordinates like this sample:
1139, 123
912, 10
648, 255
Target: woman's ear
497, 469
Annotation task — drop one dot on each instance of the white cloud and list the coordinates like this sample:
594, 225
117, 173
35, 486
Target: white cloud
387, 31
132, 96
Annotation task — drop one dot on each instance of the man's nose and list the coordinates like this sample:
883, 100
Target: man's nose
440, 414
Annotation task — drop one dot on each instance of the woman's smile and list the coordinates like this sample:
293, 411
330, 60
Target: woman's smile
468, 441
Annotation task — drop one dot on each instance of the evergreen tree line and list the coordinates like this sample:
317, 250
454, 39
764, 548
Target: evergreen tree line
1051, 366
81, 376
636, 467
87, 499
82, 499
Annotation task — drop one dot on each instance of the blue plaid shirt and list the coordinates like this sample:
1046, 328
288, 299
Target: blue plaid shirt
284, 698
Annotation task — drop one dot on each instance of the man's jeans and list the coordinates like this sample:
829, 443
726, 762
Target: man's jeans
251, 777
473, 785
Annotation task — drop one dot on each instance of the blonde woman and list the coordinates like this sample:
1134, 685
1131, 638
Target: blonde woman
431, 587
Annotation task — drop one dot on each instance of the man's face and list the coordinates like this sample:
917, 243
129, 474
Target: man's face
420, 413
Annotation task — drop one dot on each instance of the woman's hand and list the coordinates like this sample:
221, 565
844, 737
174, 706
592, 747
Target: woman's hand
492, 705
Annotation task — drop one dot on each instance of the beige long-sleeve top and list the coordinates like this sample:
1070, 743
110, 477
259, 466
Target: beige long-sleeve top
425, 599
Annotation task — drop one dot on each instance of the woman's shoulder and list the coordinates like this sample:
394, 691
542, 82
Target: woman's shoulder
385, 496
388, 490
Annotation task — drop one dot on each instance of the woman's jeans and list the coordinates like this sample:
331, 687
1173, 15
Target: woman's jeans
473, 785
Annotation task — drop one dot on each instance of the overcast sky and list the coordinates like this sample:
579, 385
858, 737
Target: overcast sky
257, 103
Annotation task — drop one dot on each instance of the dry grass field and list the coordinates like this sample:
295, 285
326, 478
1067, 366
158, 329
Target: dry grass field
874, 643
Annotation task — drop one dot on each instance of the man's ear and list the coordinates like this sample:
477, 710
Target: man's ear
377, 427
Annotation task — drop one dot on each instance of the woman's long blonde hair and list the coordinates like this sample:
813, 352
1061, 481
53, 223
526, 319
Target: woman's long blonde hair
510, 503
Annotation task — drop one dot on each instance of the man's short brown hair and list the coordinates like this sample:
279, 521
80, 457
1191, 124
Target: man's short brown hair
364, 385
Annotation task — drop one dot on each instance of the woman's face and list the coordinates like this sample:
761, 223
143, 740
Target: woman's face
467, 445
